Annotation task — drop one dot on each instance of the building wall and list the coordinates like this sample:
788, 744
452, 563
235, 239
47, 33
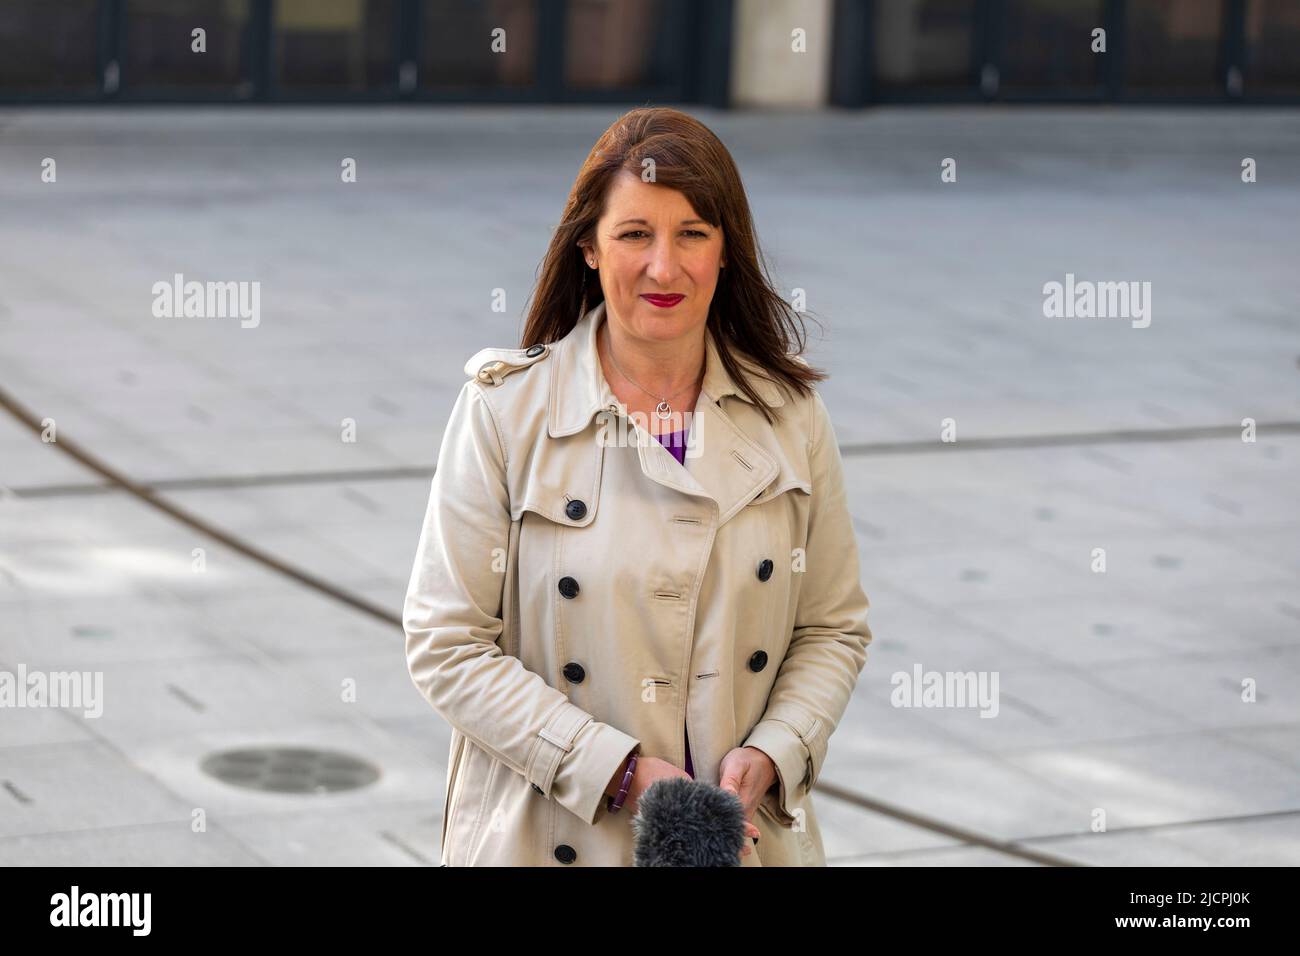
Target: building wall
739, 53
766, 71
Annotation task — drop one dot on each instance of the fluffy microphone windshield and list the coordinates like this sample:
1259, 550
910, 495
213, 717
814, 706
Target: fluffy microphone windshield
681, 822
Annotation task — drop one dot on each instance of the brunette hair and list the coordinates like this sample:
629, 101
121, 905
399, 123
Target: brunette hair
746, 315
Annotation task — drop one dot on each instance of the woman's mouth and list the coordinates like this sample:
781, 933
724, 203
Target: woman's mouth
663, 301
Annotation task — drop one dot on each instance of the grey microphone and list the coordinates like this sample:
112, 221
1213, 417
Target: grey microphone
683, 822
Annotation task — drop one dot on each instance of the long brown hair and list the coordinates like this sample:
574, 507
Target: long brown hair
746, 315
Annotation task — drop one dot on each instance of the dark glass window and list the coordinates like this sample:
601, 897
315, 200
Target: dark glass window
1047, 46
925, 45
159, 45
49, 47
457, 43
1172, 46
335, 45
628, 43
1272, 47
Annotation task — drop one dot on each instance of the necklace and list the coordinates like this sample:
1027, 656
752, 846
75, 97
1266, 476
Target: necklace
664, 410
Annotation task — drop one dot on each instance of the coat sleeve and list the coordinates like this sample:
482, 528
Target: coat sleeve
828, 646
452, 619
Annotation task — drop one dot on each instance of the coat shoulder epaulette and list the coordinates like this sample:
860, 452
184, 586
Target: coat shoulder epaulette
491, 366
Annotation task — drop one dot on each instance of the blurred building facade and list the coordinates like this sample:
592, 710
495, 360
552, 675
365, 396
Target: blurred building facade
722, 53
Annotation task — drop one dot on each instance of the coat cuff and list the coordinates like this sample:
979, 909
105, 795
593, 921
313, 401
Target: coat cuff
790, 754
574, 759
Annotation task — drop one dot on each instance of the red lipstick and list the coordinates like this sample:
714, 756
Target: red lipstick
663, 301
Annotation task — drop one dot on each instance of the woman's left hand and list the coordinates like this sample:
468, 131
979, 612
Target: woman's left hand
748, 773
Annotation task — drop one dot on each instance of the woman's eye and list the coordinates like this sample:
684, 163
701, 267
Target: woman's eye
642, 232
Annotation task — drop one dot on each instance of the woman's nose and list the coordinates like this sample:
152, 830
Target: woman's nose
663, 262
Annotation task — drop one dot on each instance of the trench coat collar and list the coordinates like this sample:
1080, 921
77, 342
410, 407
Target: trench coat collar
730, 467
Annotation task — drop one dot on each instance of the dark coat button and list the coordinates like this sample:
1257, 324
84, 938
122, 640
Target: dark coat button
765, 569
565, 853
758, 660
568, 587
535, 350
576, 509
537, 788
574, 673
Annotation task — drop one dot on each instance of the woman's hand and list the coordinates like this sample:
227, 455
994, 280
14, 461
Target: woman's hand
648, 770
748, 773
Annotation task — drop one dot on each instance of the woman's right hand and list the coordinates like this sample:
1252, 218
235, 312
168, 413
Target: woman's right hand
648, 770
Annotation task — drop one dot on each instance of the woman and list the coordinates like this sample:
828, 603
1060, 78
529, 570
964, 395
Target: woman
637, 560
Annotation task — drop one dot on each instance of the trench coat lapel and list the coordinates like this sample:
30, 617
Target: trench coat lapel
724, 463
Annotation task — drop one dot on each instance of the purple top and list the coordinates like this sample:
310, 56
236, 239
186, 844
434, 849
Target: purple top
675, 442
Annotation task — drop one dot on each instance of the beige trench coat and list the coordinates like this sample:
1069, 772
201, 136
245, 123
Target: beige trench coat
574, 596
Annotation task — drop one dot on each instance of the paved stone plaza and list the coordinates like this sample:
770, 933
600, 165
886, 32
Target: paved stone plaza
1119, 692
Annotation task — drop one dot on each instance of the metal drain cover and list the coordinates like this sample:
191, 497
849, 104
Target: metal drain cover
290, 769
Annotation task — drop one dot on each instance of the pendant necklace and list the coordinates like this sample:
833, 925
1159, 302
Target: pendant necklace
664, 410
